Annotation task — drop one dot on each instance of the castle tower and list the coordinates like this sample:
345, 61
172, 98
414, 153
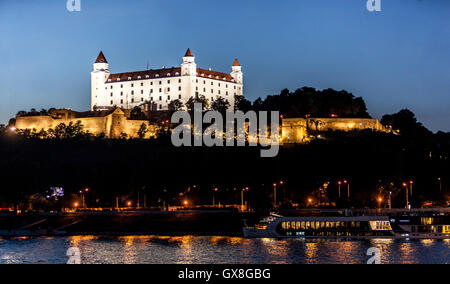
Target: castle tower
188, 67
236, 73
99, 75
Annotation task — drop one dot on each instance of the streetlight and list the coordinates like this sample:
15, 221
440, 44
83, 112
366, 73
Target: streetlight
339, 183
214, 197
380, 199
274, 195
406, 187
348, 189
242, 197
129, 203
440, 184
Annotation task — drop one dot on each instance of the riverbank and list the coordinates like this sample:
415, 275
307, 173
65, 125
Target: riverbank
206, 223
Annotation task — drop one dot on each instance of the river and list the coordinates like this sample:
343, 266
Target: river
218, 250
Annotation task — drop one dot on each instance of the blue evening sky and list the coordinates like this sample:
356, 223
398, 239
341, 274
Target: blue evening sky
397, 58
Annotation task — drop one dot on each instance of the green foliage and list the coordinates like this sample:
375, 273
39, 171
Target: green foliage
197, 99
242, 104
142, 131
405, 122
175, 105
314, 103
220, 105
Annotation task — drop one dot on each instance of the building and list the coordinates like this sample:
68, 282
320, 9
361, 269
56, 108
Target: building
112, 123
295, 130
161, 86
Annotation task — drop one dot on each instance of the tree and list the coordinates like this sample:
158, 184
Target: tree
220, 104
137, 113
175, 105
405, 122
197, 99
242, 104
142, 131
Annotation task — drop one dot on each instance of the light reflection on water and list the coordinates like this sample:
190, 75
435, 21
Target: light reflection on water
194, 249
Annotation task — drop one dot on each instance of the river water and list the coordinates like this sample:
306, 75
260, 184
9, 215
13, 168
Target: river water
218, 250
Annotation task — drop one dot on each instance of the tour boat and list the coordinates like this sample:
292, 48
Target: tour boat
407, 227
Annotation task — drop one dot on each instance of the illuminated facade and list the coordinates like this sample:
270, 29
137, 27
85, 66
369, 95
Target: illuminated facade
295, 130
161, 86
112, 123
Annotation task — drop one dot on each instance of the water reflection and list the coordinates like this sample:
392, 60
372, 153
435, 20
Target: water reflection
218, 249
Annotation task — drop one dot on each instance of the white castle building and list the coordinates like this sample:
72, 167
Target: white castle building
161, 86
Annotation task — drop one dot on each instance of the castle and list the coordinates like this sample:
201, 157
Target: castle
113, 96
161, 86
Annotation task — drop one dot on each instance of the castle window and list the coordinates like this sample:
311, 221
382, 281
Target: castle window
168, 89
179, 80
219, 84
121, 101
111, 94
121, 93
111, 86
151, 83
160, 98
226, 85
142, 84
160, 82
151, 91
160, 90
142, 92
132, 85
212, 83
179, 97
160, 106
196, 80
204, 89
204, 82
132, 92
212, 91
151, 99
168, 81
132, 100
196, 88
142, 99
111, 102
121, 86
226, 93
168, 97
179, 88
219, 92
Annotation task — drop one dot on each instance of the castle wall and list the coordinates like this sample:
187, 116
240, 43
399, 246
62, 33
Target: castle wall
294, 130
112, 125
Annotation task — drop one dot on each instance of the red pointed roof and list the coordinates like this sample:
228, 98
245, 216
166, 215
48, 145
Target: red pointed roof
236, 63
188, 53
101, 58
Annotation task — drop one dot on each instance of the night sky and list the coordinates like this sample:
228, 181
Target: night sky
396, 58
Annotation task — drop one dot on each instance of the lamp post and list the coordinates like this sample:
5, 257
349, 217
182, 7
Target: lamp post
348, 189
214, 195
440, 184
242, 197
407, 202
380, 199
275, 195
411, 189
339, 188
